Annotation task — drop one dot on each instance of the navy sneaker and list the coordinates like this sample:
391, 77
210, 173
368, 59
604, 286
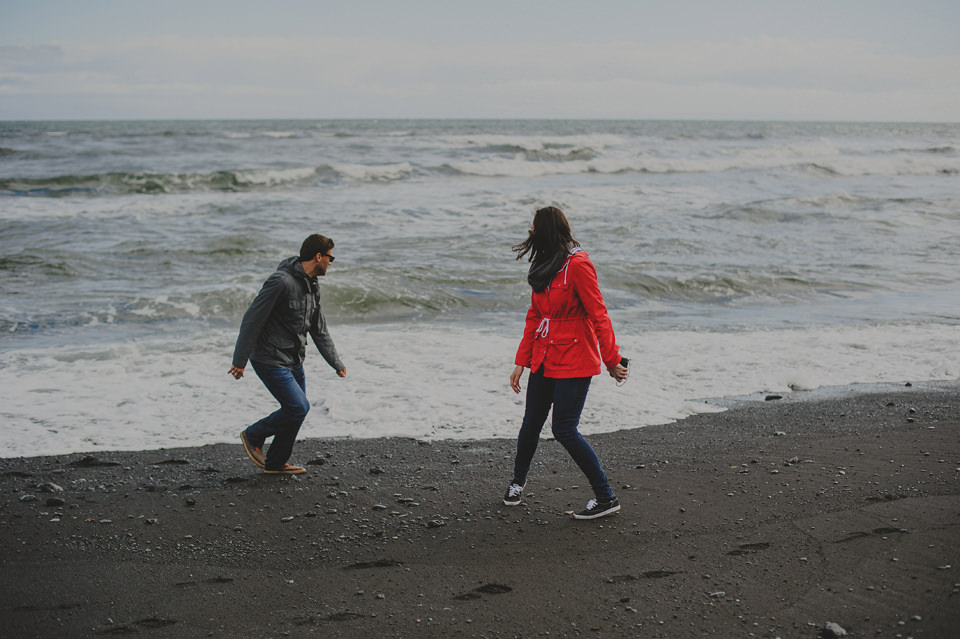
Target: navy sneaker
597, 509
513, 494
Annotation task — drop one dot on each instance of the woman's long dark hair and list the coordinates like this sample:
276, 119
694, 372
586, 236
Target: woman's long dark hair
548, 244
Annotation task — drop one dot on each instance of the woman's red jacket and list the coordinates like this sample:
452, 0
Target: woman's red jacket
568, 330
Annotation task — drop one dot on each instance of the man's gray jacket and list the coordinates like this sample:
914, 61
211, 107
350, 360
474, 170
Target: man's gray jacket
274, 329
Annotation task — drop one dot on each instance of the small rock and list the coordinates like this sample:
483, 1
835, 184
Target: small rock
718, 594
771, 398
152, 521
28, 497
50, 487
831, 630
779, 433
379, 507
287, 519
377, 471
436, 523
54, 501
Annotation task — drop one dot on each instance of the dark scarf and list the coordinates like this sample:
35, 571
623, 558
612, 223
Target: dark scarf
542, 270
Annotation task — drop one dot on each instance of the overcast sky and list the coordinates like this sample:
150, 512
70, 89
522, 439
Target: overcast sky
869, 60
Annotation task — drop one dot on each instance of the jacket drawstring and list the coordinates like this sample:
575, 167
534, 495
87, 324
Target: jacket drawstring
544, 329
566, 265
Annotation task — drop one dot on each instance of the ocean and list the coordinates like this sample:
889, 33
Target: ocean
737, 259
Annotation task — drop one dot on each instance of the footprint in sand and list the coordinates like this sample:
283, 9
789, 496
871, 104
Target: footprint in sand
379, 563
876, 531
748, 549
134, 627
486, 589
650, 574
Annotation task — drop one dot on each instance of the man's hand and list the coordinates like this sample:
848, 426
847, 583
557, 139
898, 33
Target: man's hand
236, 372
342, 373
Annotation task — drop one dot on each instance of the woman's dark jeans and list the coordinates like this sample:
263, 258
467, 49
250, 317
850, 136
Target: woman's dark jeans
567, 397
289, 388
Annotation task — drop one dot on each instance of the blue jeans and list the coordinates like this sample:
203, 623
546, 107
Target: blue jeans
289, 388
567, 397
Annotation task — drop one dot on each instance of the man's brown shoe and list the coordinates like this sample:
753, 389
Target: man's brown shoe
253, 452
288, 469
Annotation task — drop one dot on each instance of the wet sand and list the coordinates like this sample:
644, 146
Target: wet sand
767, 520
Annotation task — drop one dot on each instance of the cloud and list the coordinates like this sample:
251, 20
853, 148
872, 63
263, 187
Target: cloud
758, 77
28, 56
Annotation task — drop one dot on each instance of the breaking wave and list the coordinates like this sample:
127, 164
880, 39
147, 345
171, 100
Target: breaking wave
163, 183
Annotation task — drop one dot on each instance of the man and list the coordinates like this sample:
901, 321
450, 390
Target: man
273, 337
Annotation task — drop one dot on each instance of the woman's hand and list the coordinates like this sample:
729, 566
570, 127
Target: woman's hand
515, 378
619, 373
236, 371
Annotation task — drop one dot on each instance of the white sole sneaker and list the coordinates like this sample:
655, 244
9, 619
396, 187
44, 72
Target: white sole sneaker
596, 509
514, 497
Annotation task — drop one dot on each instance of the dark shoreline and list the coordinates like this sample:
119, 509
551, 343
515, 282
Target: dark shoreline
767, 520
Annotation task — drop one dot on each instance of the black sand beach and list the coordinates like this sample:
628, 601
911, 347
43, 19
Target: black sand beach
768, 520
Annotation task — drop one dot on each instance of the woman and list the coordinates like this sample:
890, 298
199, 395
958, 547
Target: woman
566, 323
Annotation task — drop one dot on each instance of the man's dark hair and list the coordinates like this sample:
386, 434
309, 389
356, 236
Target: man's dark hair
314, 244
549, 236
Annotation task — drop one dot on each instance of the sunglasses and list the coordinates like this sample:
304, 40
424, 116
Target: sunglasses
332, 258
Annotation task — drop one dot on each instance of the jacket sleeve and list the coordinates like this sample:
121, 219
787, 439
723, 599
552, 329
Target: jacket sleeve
584, 277
256, 318
321, 337
525, 350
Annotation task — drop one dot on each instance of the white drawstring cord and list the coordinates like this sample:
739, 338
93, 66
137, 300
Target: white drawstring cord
544, 327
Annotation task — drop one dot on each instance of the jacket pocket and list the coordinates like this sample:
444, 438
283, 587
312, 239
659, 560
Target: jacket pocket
562, 352
297, 313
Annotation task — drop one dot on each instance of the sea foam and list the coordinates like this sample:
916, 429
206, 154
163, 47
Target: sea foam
425, 381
